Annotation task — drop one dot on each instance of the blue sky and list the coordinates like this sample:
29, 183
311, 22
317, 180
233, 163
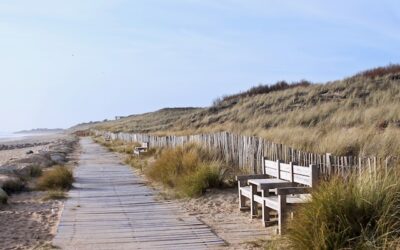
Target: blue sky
65, 62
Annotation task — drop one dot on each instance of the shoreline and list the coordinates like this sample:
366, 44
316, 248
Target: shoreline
29, 218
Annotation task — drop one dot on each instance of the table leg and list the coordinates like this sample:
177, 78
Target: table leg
265, 210
253, 204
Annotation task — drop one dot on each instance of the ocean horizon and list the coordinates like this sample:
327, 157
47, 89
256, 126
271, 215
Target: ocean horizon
11, 136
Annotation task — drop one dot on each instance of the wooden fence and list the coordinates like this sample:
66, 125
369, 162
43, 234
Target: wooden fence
247, 152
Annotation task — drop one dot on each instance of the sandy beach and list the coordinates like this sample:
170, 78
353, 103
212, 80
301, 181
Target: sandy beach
18, 153
29, 220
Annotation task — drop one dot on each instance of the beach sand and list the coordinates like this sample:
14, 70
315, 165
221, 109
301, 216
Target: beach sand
8, 155
28, 221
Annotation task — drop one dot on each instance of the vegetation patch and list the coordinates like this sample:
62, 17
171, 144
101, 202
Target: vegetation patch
359, 115
55, 195
359, 213
35, 171
190, 170
57, 178
117, 146
13, 186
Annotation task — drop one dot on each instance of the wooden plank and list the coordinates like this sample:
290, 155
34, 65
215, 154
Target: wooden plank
111, 208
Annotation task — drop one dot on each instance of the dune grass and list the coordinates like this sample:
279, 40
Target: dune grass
57, 178
189, 170
359, 115
360, 213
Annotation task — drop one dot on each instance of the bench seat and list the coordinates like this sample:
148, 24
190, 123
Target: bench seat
273, 201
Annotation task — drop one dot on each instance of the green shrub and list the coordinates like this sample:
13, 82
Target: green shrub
197, 182
13, 186
359, 213
58, 178
190, 169
3, 197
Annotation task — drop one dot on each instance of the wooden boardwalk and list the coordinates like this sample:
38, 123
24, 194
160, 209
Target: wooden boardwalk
111, 208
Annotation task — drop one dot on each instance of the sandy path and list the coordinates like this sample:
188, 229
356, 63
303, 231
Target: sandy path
111, 208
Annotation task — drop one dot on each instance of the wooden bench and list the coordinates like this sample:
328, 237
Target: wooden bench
245, 191
285, 198
278, 188
143, 148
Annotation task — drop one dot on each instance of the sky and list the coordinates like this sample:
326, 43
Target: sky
66, 62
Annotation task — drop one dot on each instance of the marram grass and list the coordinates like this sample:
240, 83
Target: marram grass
359, 213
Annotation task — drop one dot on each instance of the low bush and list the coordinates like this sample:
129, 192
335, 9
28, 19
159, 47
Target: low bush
196, 183
13, 186
190, 170
360, 213
57, 178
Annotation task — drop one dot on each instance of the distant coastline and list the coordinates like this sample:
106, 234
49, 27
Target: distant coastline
40, 131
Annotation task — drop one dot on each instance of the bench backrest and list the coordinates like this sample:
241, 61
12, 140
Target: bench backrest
293, 173
145, 145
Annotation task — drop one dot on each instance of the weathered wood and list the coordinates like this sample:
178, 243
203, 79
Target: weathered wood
248, 152
111, 208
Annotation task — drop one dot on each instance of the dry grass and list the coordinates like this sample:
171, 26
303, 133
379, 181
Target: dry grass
161, 120
55, 195
57, 178
189, 170
117, 146
358, 115
359, 213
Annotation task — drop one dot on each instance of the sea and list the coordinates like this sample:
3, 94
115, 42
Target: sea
7, 136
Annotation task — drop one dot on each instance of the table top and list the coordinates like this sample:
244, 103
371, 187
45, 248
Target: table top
270, 183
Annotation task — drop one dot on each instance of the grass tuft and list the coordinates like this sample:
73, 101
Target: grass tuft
55, 195
359, 213
190, 170
205, 176
58, 178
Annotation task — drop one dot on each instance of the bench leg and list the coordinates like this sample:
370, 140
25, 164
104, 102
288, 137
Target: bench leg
265, 215
281, 213
253, 204
242, 200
